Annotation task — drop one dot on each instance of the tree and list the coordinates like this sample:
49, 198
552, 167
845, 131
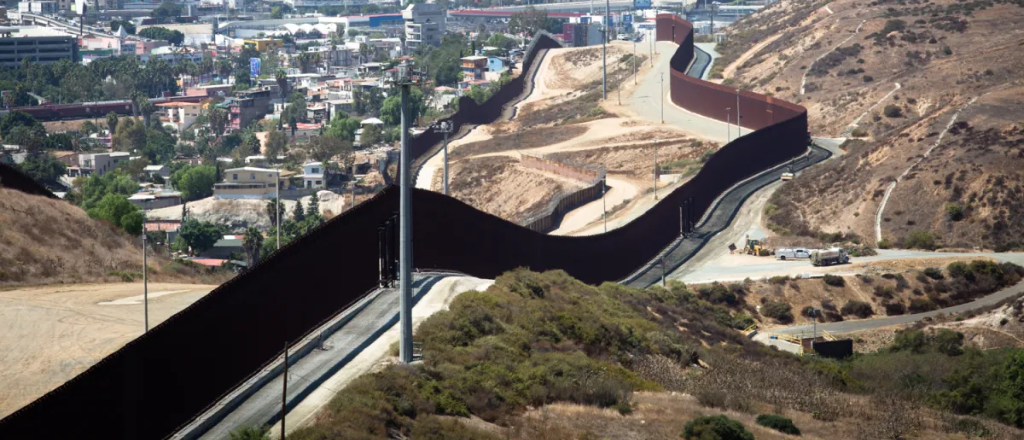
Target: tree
112, 119
30, 137
529, 22
272, 212
131, 135
391, 111
166, 11
281, 77
343, 127
44, 168
16, 119
91, 190
276, 13
218, 120
198, 236
299, 214
88, 128
948, 342
501, 41
314, 206
195, 182
371, 135
276, 145
892, 111
160, 33
115, 209
252, 243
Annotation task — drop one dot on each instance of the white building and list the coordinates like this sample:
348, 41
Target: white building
313, 175
424, 24
101, 163
38, 7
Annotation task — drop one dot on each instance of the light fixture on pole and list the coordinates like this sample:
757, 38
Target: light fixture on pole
446, 128
728, 124
655, 168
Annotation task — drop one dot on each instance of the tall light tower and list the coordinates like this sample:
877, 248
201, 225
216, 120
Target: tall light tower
404, 81
446, 128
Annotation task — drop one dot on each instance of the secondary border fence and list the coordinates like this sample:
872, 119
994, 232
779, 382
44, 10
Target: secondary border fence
551, 216
161, 380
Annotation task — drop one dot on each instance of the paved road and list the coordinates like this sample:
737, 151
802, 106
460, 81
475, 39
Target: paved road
646, 101
366, 325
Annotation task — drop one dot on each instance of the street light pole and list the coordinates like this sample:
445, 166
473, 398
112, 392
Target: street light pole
145, 275
604, 202
604, 60
739, 123
655, 168
277, 218
662, 97
728, 124
405, 220
445, 127
634, 59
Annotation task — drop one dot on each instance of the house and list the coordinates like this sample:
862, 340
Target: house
158, 170
313, 175
473, 67
496, 64
247, 183
156, 199
181, 115
223, 248
101, 163
247, 106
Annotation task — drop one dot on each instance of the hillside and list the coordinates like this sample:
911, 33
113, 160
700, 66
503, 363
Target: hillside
930, 91
46, 241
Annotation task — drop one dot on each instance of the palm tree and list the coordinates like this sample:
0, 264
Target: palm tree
251, 244
282, 81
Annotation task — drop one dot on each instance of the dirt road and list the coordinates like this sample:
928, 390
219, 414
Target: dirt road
50, 334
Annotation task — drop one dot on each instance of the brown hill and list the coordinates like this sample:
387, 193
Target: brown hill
931, 89
46, 241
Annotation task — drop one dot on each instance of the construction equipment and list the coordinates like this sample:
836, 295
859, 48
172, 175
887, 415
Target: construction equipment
788, 175
755, 248
828, 257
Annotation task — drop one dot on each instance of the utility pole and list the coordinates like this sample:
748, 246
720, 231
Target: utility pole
604, 60
634, 58
655, 168
405, 237
284, 391
662, 97
445, 127
651, 36
728, 124
604, 202
145, 275
277, 218
739, 122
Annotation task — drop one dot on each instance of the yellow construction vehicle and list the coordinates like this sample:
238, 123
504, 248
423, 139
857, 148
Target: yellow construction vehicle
755, 248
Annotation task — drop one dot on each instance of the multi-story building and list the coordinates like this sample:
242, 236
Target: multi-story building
38, 49
474, 67
247, 183
333, 56
101, 163
39, 7
424, 24
264, 44
248, 106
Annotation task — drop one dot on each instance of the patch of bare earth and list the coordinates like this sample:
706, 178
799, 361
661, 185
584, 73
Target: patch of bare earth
523, 192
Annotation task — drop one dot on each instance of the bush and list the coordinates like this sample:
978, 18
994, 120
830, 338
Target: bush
778, 423
920, 305
895, 308
885, 244
959, 269
778, 311
835, 280
934, 273
954, 212
948, 342
859, 133
780, 280
856, 308
868, 78
920, 240
715, 428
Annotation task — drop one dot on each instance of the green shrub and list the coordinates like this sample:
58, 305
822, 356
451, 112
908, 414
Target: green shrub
835, 280
856, 308
959, 269
778, 423
892, 111
715, 428
954, 212
885, 244
920, 240
920, 305
868, 78
948, 342
895, 308
780, 280
934, 273
778, 311
859, 133
910, 340
250, 433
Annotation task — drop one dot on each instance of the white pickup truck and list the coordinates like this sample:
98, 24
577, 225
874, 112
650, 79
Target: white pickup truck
792, 254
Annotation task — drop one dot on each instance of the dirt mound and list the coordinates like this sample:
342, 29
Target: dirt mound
500, 186
45, 241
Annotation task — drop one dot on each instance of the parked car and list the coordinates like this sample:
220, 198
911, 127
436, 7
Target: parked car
791, 254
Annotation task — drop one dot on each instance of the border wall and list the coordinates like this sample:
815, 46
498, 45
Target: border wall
13, 178
161, 380
551, 217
